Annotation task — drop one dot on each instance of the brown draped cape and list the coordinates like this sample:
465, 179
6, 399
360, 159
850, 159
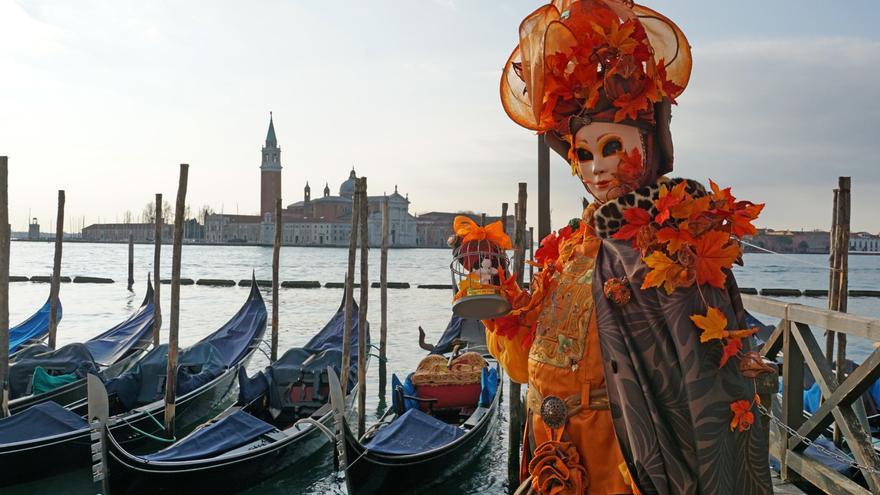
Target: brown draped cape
670, 402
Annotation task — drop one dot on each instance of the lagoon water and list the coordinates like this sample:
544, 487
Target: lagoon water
91, 308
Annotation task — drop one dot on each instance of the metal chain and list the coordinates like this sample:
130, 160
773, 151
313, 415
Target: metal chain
840, 456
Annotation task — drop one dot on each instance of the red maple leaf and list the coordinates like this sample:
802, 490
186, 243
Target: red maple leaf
636, 218
730, 349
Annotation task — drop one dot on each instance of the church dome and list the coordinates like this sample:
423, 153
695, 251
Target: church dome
346, 190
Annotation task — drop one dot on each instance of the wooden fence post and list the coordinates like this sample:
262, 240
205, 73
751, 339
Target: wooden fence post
349, 294
130, 262
157, 252
383, 297
56, 272
176, 251
5, 234
276, 260
364, 208
515, 412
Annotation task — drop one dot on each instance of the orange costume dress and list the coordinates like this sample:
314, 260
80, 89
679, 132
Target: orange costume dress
564, 361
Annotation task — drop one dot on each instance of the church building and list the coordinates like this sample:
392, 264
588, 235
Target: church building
320, 221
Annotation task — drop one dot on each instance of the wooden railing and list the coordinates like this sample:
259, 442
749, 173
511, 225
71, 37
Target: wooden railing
794, 344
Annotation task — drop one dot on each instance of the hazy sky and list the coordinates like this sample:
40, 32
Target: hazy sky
105, 98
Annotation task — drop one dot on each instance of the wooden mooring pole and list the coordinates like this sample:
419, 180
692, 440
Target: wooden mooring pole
4, 286
157, 252
349, 295
515, 412
131, 262
174, 326
543, 188
531, 244
276, 260
837, 294
364, 208
832, 276
56, 272
383, 297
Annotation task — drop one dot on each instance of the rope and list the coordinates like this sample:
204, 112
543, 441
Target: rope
798, 260
149, 435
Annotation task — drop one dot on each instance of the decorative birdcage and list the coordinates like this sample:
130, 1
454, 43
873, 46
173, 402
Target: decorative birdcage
477, 270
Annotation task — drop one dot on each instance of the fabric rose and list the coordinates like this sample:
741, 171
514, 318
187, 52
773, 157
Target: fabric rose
556, 470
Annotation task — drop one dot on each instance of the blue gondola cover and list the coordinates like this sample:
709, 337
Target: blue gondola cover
34, 328
110, 346
229, 433
412, 433
42, 420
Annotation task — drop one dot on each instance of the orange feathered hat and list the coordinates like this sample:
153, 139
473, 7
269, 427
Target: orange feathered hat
580, 61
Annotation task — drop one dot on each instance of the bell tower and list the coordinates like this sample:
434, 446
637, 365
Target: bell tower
270, 172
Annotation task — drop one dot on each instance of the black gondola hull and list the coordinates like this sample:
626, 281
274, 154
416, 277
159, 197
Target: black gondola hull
373, 473
37, 459
225, 474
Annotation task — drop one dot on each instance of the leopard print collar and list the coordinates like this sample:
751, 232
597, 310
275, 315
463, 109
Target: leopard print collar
608, 218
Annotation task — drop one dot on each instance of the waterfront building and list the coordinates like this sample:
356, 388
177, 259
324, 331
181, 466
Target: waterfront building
119, 232
435, 227
808, 242
321, 221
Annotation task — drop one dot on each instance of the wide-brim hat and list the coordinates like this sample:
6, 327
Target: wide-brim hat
544, 31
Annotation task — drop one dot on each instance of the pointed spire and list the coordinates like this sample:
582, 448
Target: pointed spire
271, 141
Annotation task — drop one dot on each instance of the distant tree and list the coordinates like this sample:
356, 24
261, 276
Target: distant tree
149, 213
126, 217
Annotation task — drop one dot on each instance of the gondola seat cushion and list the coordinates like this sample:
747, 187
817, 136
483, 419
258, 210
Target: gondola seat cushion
412, 433
455, 385
43, 382
145, 381
72, 358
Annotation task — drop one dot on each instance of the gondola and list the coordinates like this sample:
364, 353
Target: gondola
48, 438
32, 330
282, 417
427, 436
41, 374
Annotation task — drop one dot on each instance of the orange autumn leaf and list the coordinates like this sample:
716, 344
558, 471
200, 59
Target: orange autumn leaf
741, 220
742, 415
713, 325
730, 349
675, 238
660, 265
667, 200
713, 253
631, 168
699, 206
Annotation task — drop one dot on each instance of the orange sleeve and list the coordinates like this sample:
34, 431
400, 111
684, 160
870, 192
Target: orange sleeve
510, 352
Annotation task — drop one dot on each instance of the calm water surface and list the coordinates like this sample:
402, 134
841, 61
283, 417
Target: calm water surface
91, 308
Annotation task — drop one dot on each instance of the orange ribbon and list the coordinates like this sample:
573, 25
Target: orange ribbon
468, 230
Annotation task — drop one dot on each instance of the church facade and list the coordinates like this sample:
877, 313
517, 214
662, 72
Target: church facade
320, 221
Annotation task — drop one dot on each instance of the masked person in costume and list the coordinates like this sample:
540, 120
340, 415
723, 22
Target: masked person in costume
632, 338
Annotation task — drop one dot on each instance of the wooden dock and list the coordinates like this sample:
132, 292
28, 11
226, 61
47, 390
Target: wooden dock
781, 487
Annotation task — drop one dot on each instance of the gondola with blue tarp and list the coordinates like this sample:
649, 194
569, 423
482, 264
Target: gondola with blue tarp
206, 377
282, 417
41, 374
